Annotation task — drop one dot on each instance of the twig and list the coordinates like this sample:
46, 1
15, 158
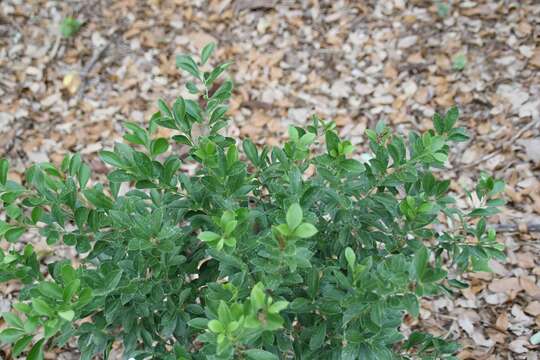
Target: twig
54, 50
253, 5
98, 53
524, 228
503, 146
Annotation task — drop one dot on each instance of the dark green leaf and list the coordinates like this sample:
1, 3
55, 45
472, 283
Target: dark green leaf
4, 166
421, 258
42, 307
36, 353
20, 345
451, 118
111, 158
256, 354
159, 146
84, 175
13, 234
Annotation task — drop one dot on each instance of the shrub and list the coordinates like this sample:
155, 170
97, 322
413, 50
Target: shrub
272, 253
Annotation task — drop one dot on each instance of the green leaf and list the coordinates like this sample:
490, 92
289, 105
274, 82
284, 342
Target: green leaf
70, 289
110, 282
293, 133
458, 284
13, 320
214, 74
69, 27
4, 167
458, 135
216, 326
350, 256
439, 124
421, 258
111, 158
13, 234
258, 296
164, 109
354, 166
278, 306
22, 307
317, 339
224, 312
305, 230
50, 290
209, 236
294, 216
75, 164
257, 354
182, 139
192, 88
198, 323
441, 157
84, 175
251, 151
451, 118
42, 307
67, 315
307, 139
194, 110
459, 62
10, 335
158, 146
480, 264
206, 52
20, 345
98, 198
179, 114
332, 143
186, 62
36, 353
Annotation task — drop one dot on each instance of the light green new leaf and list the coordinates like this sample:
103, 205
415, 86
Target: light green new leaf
209, 236
258, 296
350, 256
216, 326
206, 52
294, 216
305, 230
67, 315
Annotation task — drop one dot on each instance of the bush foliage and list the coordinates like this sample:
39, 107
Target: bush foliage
293, 252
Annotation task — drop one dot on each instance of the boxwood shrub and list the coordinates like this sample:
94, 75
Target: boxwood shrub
304, 251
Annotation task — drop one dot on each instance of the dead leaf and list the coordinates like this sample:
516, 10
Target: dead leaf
535, 59
72, 81
533, 308
519, 346
532, 149
530, 287
505, 285
502, 322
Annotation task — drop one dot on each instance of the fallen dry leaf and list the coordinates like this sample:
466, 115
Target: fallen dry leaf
519, 346
530, 287
505, 285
